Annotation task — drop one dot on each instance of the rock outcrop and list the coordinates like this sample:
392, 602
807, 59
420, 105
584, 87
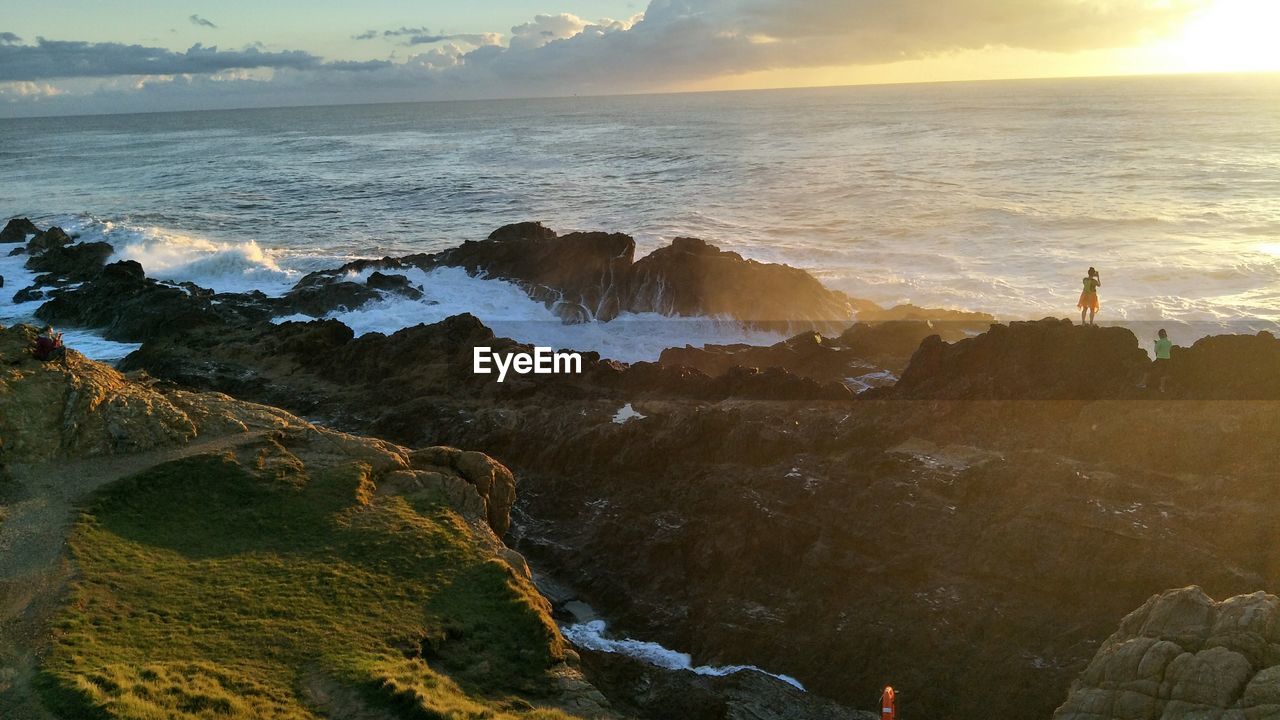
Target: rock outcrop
1043, 360
71, 263
866, 355
17, 230
586, 276
1182, 655
1227, 367
54, 237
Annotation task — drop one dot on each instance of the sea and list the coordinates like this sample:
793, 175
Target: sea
989, 196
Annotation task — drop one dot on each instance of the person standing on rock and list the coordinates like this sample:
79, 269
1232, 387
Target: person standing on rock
1089, 297
1160, 367
888, 704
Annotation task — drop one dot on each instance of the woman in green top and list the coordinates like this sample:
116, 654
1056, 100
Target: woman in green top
1160, 368
1089, 297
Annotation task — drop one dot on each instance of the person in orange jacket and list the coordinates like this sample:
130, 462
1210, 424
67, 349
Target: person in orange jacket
888, 704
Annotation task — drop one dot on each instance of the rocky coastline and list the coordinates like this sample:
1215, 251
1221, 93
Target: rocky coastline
963, 508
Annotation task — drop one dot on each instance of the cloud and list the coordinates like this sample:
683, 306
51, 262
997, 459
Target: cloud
49, 59
401, 31
673, 41
203, 22
8, 38
476, 39
423, 36
546, 29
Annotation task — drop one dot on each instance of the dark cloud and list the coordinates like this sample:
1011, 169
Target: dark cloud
423, 36
202, 22
8, 38
49, 59
400, 32
465, 38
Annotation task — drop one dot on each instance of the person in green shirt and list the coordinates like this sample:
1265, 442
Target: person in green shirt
1160, 367
1089, 297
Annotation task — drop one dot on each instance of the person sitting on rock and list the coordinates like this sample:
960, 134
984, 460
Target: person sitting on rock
48, 346
1089, 297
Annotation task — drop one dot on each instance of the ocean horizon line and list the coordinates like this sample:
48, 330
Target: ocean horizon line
666, 93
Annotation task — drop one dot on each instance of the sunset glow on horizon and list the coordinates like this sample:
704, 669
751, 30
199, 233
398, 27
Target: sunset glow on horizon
1223, 36
253, 55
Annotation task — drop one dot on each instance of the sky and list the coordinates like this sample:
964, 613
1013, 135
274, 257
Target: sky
95, 56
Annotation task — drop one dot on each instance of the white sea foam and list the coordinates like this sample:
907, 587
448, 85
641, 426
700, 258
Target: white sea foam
509, 312
221, 266
626, 414
591, 635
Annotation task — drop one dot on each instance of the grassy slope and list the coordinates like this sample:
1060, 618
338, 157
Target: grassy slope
207, 591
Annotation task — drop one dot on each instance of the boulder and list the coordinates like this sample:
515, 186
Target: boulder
396, 284
74, 263
1227, 367
321, 299
579, 276
130, 307
1048, 359
492, 481
693, 277
29, 294
1182, 655
52, 238
17, 230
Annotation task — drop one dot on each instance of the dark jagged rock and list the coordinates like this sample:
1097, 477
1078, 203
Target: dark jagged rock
1041, 360
529, 230
17, 230
397, 284
1227, 367
130, 307
1182, 655
807, 355
322, 299
693, 277
867, 354
54, 237
580, 276
73, 263
585, 276
28, 295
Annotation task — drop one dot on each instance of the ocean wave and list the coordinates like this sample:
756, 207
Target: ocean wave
591, 635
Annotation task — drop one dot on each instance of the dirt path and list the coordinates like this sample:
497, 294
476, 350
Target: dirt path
33, 570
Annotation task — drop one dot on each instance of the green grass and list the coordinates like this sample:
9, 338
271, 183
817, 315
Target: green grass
206, 591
